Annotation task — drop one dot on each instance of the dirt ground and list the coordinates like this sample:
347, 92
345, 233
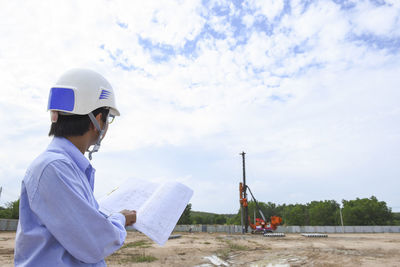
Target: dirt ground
215, 249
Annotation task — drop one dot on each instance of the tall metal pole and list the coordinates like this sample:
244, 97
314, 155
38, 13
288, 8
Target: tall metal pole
341, 218
246, 211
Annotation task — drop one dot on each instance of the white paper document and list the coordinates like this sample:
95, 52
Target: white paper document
158, 206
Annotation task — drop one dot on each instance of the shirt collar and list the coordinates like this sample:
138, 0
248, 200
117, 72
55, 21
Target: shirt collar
72, 151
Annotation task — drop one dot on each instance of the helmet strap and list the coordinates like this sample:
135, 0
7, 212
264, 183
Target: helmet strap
101, 131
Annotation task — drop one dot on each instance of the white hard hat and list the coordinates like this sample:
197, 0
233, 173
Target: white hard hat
80, 91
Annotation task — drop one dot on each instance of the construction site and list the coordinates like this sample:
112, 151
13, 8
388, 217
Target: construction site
259, 241
221, 249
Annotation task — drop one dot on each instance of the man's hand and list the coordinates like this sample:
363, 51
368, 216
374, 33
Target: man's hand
130, 216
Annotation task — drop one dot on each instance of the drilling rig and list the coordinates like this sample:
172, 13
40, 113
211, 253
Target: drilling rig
260, 225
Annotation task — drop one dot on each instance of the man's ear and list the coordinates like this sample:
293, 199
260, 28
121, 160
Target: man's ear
99, 117
99, 120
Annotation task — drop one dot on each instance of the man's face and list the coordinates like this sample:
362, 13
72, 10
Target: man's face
106, 126
102, 125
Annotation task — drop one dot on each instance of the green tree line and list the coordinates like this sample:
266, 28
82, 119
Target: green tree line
364, 211
10, 211
361, 211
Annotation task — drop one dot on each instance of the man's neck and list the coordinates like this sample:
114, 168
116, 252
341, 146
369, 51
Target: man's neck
81, 142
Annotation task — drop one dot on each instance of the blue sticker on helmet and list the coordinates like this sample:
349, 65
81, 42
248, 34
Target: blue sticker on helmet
62, 99
104, 94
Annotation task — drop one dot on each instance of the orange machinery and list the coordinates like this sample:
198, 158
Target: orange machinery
264, 227
260, 226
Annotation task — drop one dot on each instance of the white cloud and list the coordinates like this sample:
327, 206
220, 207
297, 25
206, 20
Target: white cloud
268, 8
248, 20
171, 22
382, 20
322, 123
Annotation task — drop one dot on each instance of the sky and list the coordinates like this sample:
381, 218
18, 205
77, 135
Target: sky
308, 89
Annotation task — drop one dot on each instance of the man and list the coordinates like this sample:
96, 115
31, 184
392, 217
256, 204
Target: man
60, 223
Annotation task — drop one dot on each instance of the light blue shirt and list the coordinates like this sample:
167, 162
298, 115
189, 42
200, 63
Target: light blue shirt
59, 221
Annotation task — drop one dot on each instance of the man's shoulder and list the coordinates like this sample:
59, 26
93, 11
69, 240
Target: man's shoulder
34, 173
46, 158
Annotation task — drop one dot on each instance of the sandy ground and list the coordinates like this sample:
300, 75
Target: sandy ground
204, 249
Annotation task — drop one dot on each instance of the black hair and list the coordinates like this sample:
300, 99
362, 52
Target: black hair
75, 125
